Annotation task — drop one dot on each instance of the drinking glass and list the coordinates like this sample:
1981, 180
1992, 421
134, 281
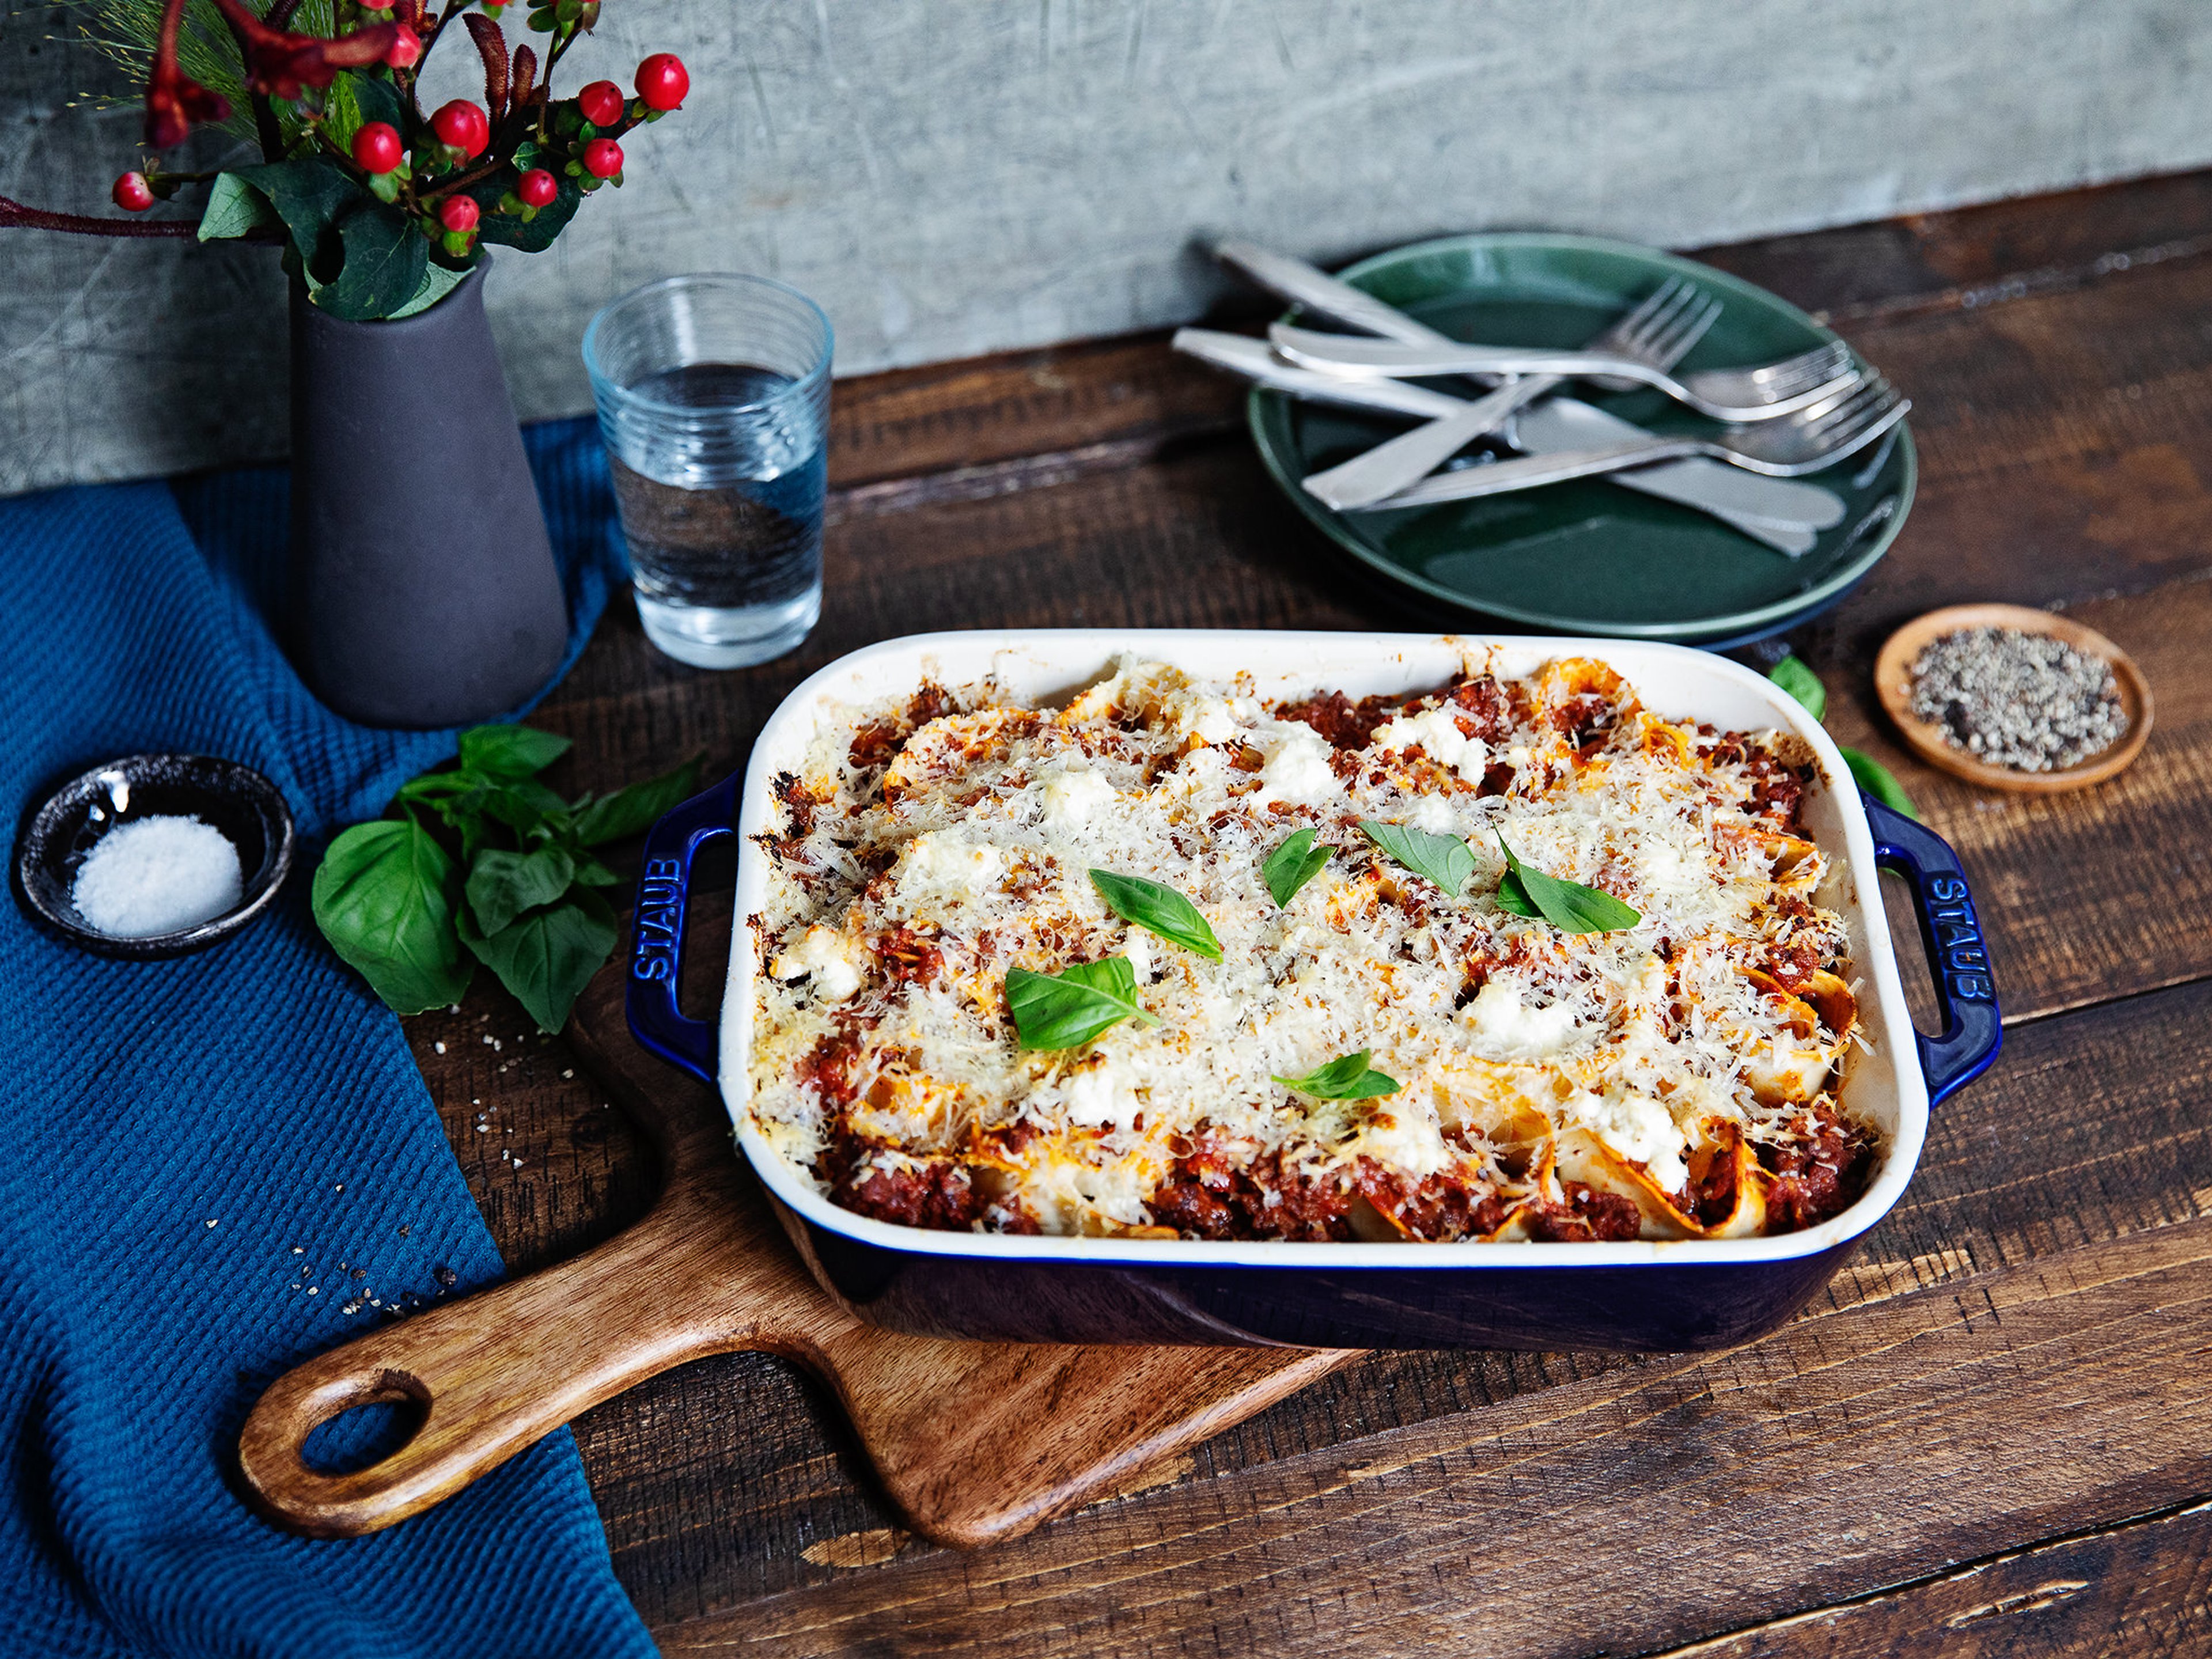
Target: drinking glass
713, 399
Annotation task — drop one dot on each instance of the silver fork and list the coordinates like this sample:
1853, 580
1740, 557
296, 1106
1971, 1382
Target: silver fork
1799, 443
1660, 331
1737, 396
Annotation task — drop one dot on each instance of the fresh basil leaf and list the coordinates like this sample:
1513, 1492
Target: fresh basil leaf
1067, 1009
1875, 779
510, 751
633, 810
502, 886
1567, 905
382, 898
1513, 898
1348, 1077
546, 957
524, 805
1157, 909
1445, 859
233, 209
1291, 865
592, 873
1801, 683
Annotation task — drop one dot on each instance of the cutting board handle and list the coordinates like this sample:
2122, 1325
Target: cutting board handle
494, 1374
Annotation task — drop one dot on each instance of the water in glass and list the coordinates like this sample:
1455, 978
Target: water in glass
726, 548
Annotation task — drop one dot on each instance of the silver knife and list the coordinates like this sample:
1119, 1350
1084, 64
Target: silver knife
1774, 525
1710, 486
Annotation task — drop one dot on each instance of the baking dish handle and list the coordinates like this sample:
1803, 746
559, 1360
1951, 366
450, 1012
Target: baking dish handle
1958, 959
656, 947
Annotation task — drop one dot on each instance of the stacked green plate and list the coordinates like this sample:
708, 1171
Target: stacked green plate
1586, 556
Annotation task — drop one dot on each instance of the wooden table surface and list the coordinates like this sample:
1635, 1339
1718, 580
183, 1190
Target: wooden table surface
1993, 1434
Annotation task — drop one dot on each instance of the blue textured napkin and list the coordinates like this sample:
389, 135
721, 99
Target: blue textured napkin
186, 1142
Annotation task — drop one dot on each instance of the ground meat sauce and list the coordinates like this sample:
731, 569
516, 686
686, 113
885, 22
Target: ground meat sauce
1346, 724
1583, 1215
937, 1193
1821, 1175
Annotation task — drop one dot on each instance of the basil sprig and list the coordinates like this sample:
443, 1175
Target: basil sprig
1291, 865
1567, 905
482, 860
1872, 777
1160, 909
1445, 859
1065, 1009
1348, 1077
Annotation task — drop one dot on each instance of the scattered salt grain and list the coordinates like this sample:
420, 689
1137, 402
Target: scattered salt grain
439, 1047
157, 875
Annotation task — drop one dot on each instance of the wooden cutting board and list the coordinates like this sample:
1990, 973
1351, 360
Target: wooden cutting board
973, 1441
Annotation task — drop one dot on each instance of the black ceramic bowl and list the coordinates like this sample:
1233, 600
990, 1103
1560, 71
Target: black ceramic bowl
236, 799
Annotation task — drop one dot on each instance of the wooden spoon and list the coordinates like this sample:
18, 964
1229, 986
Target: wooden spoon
1892, 680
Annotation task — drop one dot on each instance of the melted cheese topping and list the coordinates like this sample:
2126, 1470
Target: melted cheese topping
1677, 1078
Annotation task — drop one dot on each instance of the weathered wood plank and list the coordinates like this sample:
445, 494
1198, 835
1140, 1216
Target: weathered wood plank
1640, 1507
2142, 1587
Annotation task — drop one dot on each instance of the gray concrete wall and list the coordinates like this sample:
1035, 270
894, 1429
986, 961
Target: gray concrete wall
955, 176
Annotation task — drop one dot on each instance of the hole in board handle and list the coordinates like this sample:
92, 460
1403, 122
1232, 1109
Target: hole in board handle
363, 1424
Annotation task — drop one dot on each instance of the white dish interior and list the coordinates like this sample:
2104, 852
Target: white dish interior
1882, 1081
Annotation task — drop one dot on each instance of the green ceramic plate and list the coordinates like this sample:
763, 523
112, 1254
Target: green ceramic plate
1587, 556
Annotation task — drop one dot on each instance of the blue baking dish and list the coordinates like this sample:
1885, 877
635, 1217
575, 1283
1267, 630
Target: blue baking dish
1639, 1295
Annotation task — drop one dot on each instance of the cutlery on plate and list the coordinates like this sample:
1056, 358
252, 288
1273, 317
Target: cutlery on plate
1764, 392
1660, 332
1559, 424
1778, 513
1707, 486
1800, 443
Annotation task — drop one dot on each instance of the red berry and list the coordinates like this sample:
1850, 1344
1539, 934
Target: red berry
603, 158
134, 195
376, 147
601, 103
463, 125
458, 213
537, 188
661, 82
406, 48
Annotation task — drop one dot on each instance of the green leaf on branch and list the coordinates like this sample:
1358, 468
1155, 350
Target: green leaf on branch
1876, 780
631, 811
235, 209
547, 955
384, 256
438, 281
377, 99
310, 196
1801, 683
535, 233
502, 886
383, 898
342, 113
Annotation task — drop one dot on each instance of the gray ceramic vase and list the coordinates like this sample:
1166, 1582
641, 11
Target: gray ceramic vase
423, 591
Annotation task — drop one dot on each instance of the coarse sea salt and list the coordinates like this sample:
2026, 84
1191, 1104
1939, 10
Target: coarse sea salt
156, 875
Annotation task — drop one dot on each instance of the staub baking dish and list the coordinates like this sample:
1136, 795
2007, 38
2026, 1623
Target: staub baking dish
1642, 1295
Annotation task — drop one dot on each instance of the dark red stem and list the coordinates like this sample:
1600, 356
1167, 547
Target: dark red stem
85, 224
